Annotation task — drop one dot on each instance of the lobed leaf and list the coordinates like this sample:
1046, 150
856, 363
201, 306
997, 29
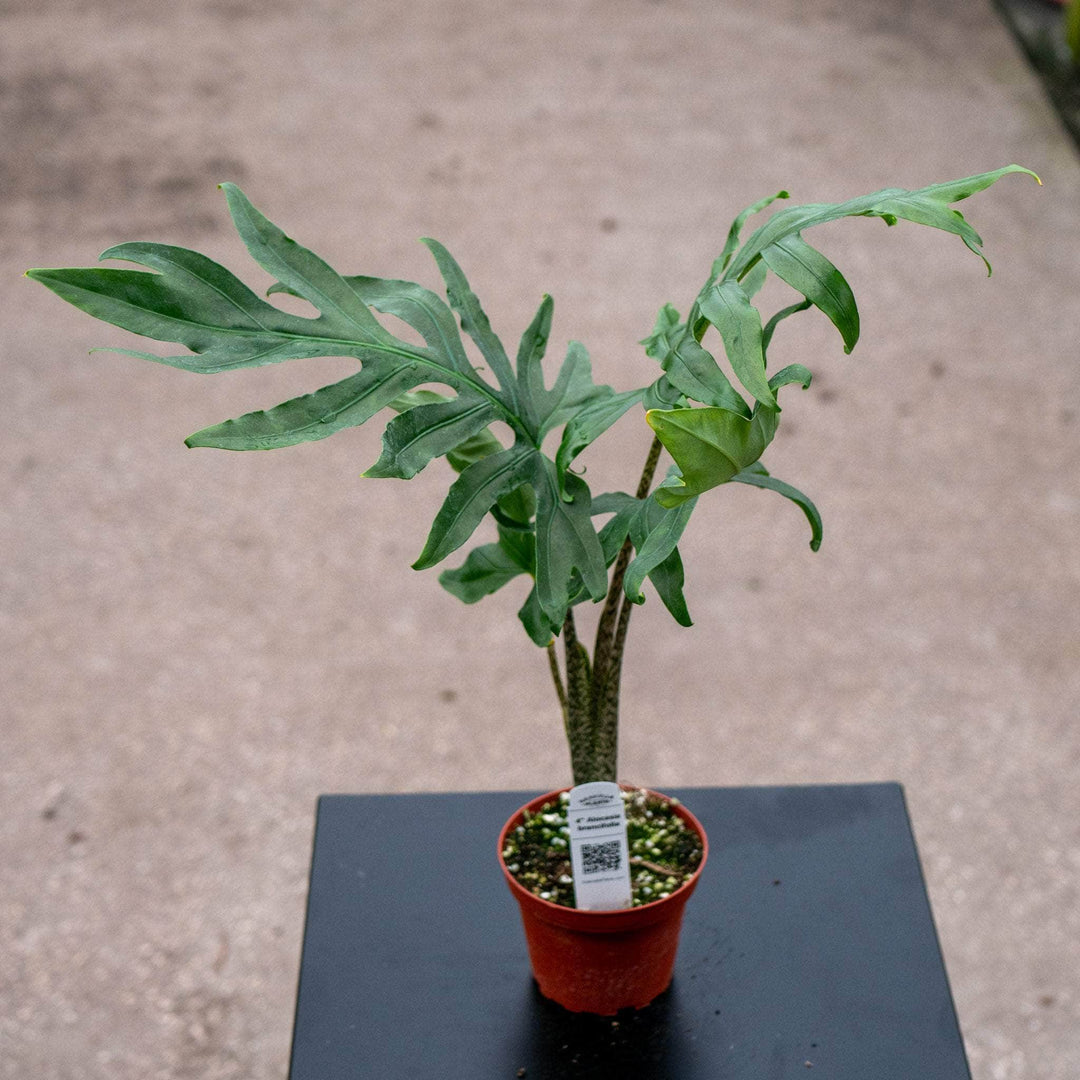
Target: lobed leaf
565, 540
421, 309
473, 320
693, 371
784, 313
793, 373
486, 570
471, 496
530, 373
538, 626
589, 423
758, 476
731, 245
808, 271
420, 434
197, 303
655, 532
573, 389
657, 344
728, 308
924, 206
314, 416
303, 272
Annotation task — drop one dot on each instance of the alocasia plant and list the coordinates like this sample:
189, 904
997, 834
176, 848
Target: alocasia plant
544, 513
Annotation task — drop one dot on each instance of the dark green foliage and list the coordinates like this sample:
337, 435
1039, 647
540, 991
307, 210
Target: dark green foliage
543, 511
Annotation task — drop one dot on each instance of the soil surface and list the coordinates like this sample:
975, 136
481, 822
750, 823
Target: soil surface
195, 644
663, 850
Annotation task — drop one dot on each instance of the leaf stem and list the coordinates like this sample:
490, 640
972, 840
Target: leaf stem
605, 631
610, 645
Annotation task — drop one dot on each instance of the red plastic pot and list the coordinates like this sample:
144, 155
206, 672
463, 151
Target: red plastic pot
601, 961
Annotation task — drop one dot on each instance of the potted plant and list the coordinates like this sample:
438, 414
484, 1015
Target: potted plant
571, 545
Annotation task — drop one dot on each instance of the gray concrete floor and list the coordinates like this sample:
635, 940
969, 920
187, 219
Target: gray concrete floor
195, 644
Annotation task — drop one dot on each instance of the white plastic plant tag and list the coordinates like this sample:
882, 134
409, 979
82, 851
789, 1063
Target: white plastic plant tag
599, 853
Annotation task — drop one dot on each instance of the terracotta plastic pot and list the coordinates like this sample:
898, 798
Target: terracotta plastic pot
601, 961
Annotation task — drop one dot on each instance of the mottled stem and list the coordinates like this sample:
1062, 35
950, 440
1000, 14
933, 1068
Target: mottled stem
610, 645
579, 705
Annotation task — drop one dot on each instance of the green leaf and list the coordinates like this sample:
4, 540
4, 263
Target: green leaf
411, 398
753, 281
471, 496
710, 446
425, 432
588, 424
573, 388
793, 373
486, 570
531, 351
314, 416
655, 532
491, 566
565, 540
728, 308
924, 206
303, 272
785, 313
615, 531
421, 309
668, 578
690, 370
732, 243
197, 303
693, 371
809, 272
612, 535
192, 300
758, 476
663, 394
520, 546
473, 320
613, 502
537, 625
657, 344
516, 510
481, 445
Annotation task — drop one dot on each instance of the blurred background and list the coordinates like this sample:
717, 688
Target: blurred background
194, 644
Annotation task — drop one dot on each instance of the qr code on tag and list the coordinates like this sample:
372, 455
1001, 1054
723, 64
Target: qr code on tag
601, 858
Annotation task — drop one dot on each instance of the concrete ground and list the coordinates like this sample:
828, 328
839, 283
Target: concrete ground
195, 644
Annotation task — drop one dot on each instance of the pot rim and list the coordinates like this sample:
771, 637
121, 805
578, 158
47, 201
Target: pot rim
609, 921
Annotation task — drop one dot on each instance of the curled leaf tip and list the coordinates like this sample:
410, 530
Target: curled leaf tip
1020, 168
